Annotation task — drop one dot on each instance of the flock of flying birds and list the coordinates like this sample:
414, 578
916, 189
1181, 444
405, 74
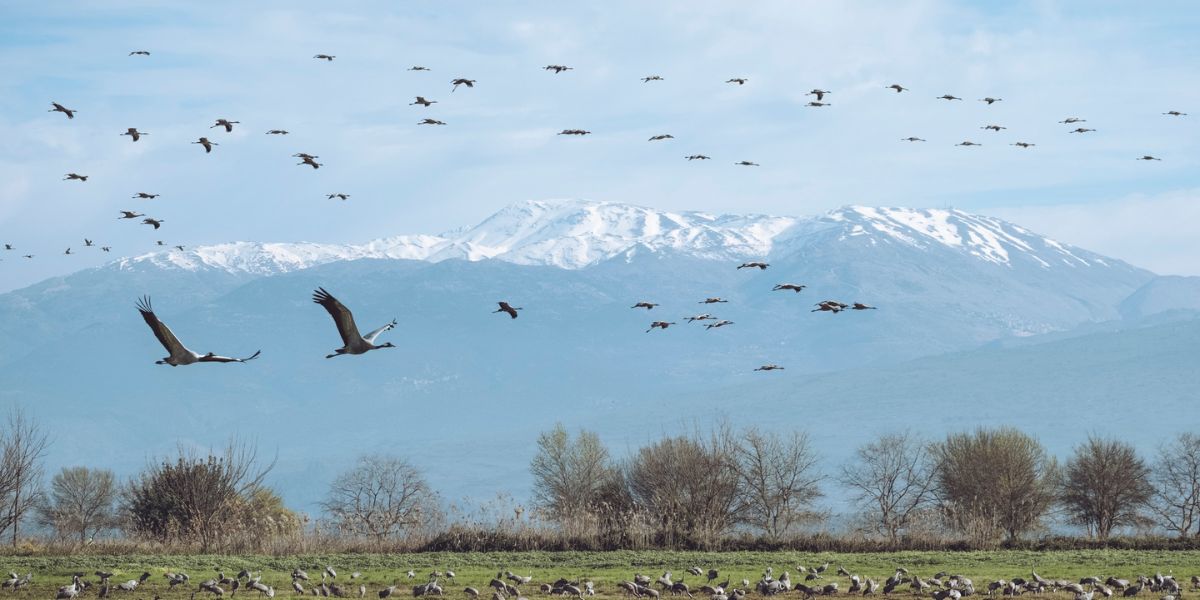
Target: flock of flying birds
355, 343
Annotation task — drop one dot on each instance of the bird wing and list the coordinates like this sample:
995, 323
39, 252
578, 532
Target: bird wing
370, 337
210, 357
341, 315
161, 331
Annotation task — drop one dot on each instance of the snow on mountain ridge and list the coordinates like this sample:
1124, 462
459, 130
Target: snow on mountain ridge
573, 234
986, 238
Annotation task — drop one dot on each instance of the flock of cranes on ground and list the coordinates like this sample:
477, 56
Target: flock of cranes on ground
506, 585
355, 343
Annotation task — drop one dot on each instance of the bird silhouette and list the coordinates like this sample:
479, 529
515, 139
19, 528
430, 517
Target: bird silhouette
277, 132
912, 139
129, 214
145, 196
830, 306
990, 100
207, 144
134, 134
650, 78
352, 341
645, 305
948, 97
697, 157
574, 132
75, 177
762, 266
310, 162
430, 122
461, 81
1148, 157
507, 308
418, 68
819, 93
155, 222
1175, 113
738, 80
179, 354
746, 163
661, 136
557, 68
1023, 144
663, 325
226, 123
62, 109
788, 286
140, 53
423, 102
325, 57
339, 196
770, 367
899, 88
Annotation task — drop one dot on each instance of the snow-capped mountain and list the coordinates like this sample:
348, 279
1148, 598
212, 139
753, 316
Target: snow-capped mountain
944, 281
574, 234
986, 238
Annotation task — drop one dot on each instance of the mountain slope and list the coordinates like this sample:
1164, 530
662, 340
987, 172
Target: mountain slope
466, 391
464, 385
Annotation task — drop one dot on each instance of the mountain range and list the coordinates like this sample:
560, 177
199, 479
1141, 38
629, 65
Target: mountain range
979, 321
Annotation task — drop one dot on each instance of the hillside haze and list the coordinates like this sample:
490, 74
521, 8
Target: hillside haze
466, 391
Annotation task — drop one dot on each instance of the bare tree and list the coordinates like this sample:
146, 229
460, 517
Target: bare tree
193, 497
1175, 479
80, 503
779, 481
22, 447
1105, 486
994, 481
381, 497
688, 485
892, 481
568, 475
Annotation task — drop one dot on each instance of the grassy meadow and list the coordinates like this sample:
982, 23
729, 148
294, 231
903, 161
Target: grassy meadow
604, 568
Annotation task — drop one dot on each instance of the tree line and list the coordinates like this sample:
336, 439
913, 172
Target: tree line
701, 489
988, 486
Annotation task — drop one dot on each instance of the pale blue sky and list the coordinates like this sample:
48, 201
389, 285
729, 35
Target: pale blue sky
1117, 64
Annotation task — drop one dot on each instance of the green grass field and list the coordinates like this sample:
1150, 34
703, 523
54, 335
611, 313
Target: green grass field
604, 568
